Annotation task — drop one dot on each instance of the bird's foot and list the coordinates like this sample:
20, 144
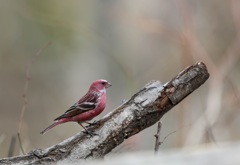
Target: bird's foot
93, 123
91, 133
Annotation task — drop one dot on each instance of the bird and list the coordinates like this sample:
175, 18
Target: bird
88, 107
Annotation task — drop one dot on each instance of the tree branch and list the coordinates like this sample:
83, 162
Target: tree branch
142, 110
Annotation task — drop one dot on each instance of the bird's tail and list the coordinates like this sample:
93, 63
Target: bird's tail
50, 127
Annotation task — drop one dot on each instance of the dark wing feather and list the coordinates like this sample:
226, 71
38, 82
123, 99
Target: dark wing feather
88, 102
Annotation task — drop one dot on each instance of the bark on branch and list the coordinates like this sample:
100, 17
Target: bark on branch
142, 110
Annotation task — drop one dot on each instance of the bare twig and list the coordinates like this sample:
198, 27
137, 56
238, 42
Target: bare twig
167, 136
25, 91
210, 136
12, 146
158, 142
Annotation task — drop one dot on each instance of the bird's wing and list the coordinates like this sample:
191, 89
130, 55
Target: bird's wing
88, 102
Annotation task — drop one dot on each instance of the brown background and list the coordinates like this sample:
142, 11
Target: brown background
128, 43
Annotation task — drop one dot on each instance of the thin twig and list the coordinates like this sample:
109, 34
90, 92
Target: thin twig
12, 146
158, 143
25, 100
210, 135
167, 136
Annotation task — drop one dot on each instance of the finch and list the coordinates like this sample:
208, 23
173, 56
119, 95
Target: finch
88, 107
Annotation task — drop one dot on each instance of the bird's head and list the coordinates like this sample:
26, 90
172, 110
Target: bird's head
100, 85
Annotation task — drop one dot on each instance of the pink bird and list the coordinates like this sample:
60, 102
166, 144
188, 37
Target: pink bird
88, 107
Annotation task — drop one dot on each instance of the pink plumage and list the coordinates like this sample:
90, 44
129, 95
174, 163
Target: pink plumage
88, 107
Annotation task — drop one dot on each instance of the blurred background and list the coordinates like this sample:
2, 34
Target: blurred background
127, 43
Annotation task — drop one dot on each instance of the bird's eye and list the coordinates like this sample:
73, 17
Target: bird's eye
103, 83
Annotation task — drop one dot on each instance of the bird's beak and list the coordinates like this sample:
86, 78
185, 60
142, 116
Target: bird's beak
108, 85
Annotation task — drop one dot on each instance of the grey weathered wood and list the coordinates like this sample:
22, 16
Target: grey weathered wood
142, 110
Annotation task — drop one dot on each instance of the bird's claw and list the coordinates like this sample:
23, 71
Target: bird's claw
93, 123
91, 133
